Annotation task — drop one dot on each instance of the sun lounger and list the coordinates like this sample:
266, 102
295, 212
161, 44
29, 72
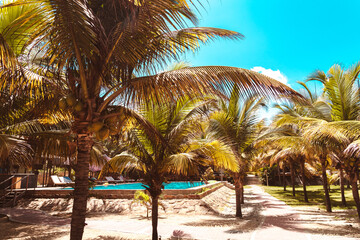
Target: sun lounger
112, 180
62, 181
57, 182
67, 180
121, 178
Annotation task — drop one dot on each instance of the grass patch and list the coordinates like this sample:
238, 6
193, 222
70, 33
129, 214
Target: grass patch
315, 195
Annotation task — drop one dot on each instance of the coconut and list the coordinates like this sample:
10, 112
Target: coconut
103, 134
112, 119
78, 106
96, 126
70, 100
62, 104
113, 130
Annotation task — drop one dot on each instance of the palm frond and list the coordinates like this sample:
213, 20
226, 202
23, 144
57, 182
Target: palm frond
122, 162
209, 80
353, 150
14, 151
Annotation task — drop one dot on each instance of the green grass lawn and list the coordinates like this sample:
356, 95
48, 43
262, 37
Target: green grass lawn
315, 195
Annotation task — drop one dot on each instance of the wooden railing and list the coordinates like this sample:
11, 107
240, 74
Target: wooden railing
9, 190
8, 179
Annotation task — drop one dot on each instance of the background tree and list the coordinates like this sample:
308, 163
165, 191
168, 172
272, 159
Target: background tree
291, 148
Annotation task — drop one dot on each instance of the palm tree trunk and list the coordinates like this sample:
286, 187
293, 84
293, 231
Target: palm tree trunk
278, 170
292, 178
154, 217
242, 183
284, 178
237, 195
304, 180
81, 189
355, 191
342, 179
325, 185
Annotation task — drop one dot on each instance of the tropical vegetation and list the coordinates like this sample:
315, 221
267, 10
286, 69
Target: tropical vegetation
84, 79
99, 53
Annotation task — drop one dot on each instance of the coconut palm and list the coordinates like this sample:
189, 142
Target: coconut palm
237, 126
342, 136
172, 147
23, 112
343, 96
94, 50
291, 149
326, 141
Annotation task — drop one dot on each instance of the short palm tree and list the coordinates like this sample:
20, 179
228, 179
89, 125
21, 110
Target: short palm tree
237, 125
169, 144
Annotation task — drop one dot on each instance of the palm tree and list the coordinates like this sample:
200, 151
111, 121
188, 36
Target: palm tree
237, 126
93, 50
342, 135
291, 148
326, 141
171, 147
343, 95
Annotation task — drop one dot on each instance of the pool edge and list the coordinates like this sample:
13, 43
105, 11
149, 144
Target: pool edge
190, 193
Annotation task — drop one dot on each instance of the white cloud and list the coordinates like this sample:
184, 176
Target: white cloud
271, 73
268, 114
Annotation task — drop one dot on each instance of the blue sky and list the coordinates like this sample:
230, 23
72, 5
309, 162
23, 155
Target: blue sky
294, 37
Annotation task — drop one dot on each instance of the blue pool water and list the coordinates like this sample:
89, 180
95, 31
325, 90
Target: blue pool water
171, 185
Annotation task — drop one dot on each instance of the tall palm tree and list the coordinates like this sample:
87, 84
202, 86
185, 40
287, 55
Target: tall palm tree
237, 126
343, 96
172, 147
93, 50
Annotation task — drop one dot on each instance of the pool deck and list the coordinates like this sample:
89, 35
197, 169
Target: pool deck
190, 193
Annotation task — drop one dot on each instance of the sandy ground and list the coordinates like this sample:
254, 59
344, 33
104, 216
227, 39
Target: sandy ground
313, 221
310, 223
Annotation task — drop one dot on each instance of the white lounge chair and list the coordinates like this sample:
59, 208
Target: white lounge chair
57, 182
112, 180
66, 180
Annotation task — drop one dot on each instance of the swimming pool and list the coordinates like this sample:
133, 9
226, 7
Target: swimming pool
173, 190
171, 185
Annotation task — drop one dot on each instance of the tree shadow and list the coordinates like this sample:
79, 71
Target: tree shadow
12, 230
250, 221
313, 222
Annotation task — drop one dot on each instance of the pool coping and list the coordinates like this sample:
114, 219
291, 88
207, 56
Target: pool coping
190, 193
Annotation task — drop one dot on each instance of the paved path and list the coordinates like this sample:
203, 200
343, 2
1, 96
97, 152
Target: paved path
282, 222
